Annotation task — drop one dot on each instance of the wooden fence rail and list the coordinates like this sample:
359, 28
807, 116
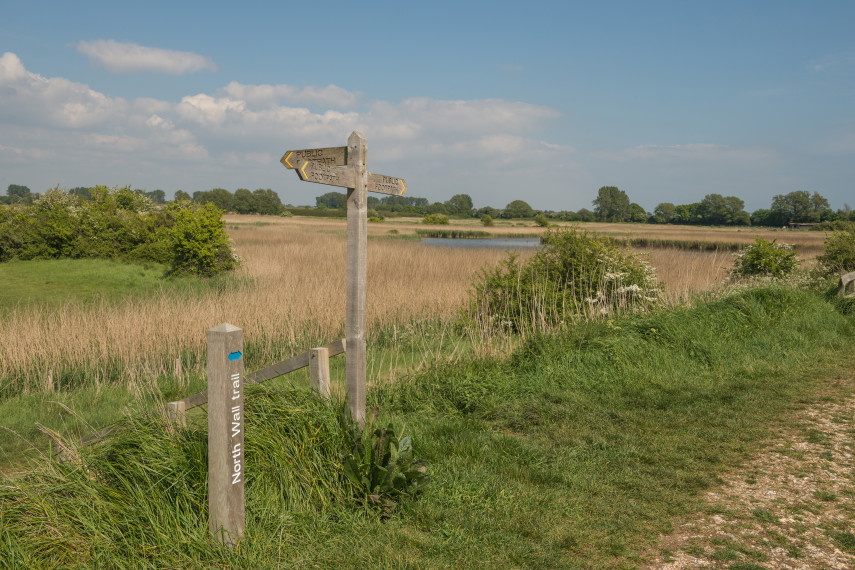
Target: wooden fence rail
319, 372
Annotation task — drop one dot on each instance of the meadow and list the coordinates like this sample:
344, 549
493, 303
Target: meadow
568, 450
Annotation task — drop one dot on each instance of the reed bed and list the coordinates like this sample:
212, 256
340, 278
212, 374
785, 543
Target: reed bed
288, 295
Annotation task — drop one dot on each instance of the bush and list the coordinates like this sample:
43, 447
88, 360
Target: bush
116, 223
839, 255
435, 219
541, 220
200, 244
576, 275
487, 221
765, 258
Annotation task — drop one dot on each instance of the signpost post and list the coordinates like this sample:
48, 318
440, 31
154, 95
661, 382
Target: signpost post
324, 166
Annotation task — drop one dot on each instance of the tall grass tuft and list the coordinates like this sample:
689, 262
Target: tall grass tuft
140, 497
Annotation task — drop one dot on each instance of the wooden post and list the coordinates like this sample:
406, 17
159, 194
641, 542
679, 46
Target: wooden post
357, 277
177, 412
226, 466
319, 370
845, 281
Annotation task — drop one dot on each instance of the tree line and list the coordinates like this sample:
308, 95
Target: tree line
243, 201
610, 205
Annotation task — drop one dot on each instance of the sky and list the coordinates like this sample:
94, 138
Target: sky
538, 101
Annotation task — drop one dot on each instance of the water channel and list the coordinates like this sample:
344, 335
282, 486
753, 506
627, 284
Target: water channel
500, 243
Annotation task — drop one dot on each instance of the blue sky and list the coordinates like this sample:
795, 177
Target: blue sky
540, 101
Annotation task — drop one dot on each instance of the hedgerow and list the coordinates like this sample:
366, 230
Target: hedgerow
117, 223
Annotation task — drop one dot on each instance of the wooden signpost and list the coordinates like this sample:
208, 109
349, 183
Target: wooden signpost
226, 466
345, 167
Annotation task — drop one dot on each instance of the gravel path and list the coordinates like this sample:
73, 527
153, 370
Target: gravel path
791, 507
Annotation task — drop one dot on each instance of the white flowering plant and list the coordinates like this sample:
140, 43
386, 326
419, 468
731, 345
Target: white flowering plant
575, 275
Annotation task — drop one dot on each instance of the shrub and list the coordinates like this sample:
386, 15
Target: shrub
200, 244
576, 275
839, 255
765, 258
436, 219
487, 221
541, 220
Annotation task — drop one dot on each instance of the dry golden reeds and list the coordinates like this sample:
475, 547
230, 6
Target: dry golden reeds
288, 295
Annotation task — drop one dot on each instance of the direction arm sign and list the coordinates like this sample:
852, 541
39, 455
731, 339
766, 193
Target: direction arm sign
311, 171
334, 156
386, 184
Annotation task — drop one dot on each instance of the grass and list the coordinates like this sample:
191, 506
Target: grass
575, 452
53, 281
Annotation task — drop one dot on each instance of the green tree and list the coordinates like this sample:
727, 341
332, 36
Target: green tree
182, 195
517, 209
220, 197
637, 213
337, 200
585, 215
612, 205
687, 214
663, 213
437, 208
19, 194
799, 206
267, 202
243, 201
488, 211
157, 196
460, 204
82, 191
719, 210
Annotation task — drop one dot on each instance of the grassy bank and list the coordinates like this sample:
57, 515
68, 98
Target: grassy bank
574, 452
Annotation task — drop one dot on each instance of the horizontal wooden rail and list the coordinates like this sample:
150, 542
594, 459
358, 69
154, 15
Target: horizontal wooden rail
176, 409
274, 370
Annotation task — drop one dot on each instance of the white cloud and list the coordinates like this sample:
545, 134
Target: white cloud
266, 96
130, 58
239, 131
693, 152
31, 97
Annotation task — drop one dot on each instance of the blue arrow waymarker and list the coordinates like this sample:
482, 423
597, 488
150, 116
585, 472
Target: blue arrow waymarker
234, 356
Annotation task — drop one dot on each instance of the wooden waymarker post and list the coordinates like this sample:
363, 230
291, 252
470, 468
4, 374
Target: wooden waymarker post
328, 166
226, 466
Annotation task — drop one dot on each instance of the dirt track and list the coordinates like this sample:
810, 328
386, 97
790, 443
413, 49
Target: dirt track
793, 506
